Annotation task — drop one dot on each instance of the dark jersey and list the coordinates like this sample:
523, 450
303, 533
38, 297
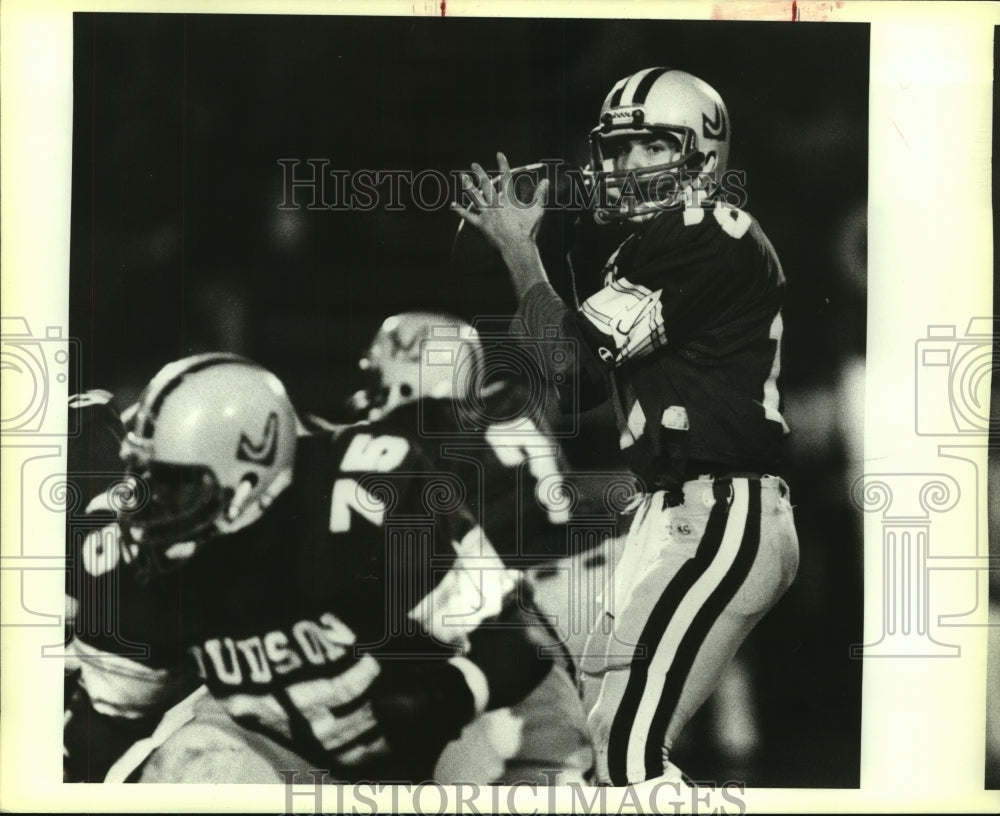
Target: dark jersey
511, 472
95, 481
95, 477
689, 319
367, 562
92, 464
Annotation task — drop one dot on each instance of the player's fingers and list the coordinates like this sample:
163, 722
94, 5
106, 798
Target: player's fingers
505, 174
474, 192
540, 192
482, 179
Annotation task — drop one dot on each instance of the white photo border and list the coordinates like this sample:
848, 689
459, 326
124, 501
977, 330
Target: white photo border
930, 265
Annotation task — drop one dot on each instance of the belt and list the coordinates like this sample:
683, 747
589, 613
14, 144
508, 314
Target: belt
729, 474
696, 469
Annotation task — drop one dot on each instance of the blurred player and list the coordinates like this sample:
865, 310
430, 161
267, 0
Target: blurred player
428, 374
326, 589
684, 335
97, 488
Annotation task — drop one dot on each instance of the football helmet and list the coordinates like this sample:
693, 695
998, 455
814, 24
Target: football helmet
209, 445
415, 355
657, 102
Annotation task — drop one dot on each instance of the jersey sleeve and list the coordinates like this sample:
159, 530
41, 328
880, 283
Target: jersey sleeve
580, 378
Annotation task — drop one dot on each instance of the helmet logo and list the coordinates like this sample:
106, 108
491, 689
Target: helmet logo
714, 128
260, 453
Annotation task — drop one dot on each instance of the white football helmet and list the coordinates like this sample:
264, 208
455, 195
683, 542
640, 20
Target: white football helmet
658, 102
210, 443
416, 355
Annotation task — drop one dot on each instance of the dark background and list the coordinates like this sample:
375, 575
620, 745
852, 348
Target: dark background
178, 245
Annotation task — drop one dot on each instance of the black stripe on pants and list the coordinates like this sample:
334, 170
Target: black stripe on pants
655, 627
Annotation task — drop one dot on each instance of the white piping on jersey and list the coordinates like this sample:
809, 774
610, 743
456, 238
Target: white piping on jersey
636, 424
771, 395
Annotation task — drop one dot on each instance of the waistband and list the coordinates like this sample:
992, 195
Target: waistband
696, 468
700, 489
696, 489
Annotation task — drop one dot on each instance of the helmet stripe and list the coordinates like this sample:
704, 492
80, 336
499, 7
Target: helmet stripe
634, 82
196, 364
616, 93
642, 90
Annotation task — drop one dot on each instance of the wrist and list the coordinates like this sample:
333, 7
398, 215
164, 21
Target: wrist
524, 264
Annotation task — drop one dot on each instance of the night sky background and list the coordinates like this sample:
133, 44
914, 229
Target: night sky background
178, 244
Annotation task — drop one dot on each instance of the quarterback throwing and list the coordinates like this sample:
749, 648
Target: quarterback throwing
683, 336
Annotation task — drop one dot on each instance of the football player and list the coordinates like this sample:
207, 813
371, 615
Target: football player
97, 487
326, 589
428, 373
683, 333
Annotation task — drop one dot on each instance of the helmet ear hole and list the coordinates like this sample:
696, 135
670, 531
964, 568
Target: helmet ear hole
406, 390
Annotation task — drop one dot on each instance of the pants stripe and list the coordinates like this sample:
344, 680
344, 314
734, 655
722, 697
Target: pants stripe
697, 632
654, 629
